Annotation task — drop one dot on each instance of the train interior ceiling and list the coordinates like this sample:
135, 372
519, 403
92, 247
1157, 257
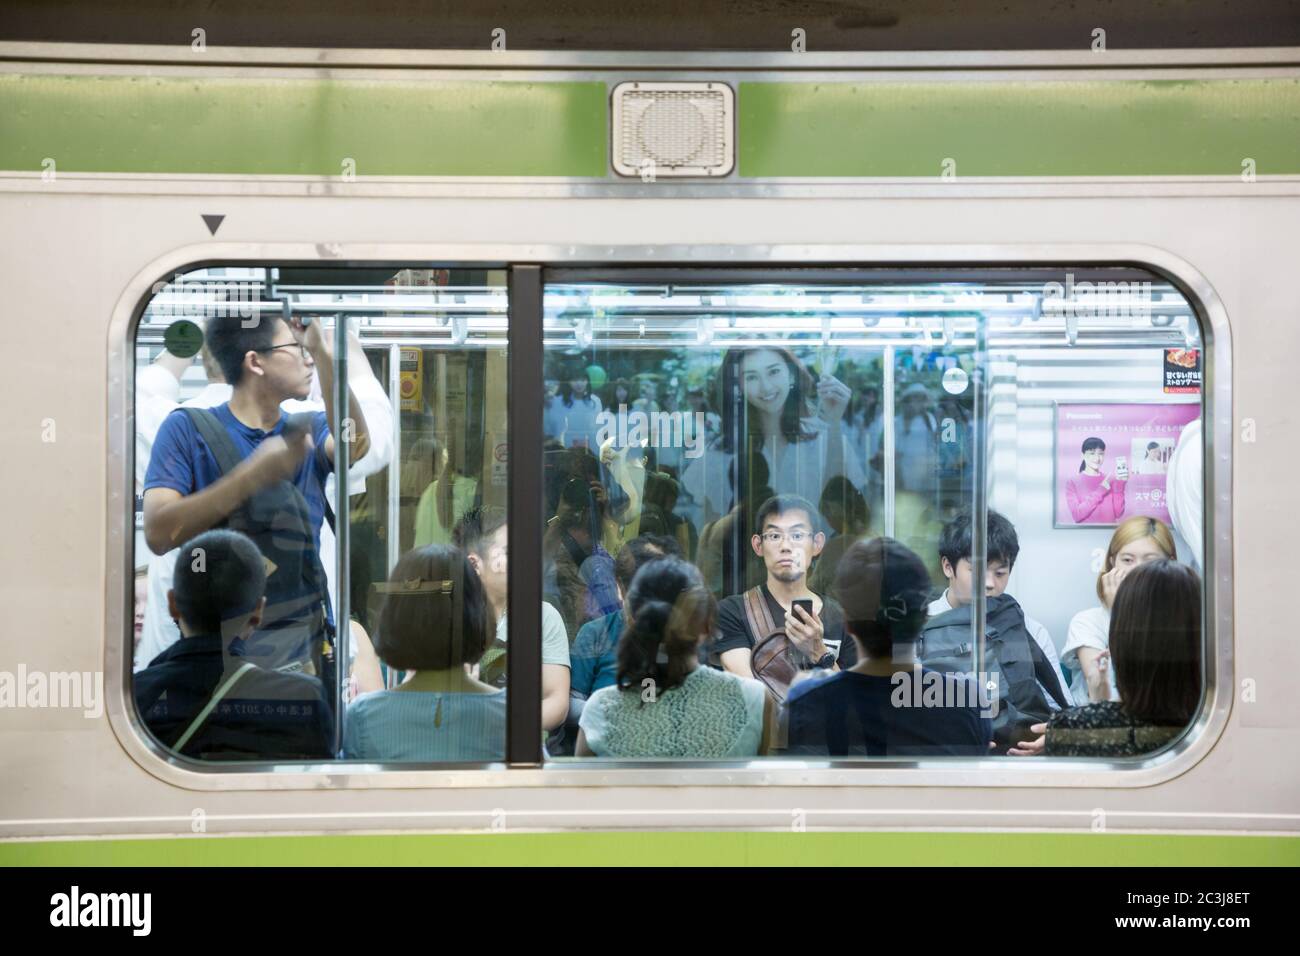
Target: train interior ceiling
934, 362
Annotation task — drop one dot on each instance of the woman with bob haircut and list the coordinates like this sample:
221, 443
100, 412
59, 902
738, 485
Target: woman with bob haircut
433, 622
886, 704
1155, 639
1093, 496
664, 704
1136, 541
772, 407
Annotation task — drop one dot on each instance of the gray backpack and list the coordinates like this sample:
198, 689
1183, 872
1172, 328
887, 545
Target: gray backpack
1011, 655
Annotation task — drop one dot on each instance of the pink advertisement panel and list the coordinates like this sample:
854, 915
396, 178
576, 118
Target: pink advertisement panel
1111, 460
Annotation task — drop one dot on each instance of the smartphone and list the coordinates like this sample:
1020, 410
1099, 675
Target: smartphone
805, 603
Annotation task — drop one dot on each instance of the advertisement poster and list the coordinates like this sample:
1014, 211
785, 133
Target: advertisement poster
1182, 369
1111, 460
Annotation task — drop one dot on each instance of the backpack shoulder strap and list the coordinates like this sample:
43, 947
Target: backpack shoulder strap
758, 615
217, 695
1046, 674
216, 437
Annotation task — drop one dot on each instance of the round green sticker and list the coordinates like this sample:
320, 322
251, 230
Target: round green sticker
183, 339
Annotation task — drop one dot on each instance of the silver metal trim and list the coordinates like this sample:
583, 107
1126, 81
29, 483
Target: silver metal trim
325, 58
1190, 749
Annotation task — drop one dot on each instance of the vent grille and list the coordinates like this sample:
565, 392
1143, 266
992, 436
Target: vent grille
673, 130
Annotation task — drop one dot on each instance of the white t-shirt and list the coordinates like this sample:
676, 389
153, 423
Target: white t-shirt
156, 392
555, 640
1036, 631
1090, 628
1185, 489
802, 471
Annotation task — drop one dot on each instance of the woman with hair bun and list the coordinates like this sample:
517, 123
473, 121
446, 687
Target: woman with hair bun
664, 703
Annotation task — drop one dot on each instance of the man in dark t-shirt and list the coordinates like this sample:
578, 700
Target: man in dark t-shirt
202, 697
786, 539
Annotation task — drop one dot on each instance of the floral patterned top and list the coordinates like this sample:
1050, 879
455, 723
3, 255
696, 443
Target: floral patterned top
710, 714
1103, 729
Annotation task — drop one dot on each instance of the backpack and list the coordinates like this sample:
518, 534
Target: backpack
1010, 653
295, 634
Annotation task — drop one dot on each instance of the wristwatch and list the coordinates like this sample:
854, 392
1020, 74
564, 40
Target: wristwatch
826, 661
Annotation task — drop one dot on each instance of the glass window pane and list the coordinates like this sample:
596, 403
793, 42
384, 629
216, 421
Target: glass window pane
236, 462
805, 441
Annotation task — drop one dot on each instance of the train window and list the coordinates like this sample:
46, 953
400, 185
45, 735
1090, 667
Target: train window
239, 652
760, 494
767, 499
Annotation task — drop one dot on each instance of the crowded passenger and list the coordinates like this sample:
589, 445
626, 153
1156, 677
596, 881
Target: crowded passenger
1002, 547
887, 704
916, 441
664, 703
1185, 491
781, 627
771, 406
847, 516
247, 464
594, 654
202, 697
1028, 675
444, 500
573, 414
482, 535
579, 569
1155, 646
434, 626
1087, 643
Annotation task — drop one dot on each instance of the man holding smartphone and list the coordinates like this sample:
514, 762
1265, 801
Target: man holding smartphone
786, 539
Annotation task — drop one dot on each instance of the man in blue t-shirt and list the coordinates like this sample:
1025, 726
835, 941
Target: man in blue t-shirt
186, 491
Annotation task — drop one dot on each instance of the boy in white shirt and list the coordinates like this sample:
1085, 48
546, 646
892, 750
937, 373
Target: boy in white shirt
1003, 546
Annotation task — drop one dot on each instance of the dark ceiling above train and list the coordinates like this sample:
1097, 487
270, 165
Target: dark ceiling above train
668, 25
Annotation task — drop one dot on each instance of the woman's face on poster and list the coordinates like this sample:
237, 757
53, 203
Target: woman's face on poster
766, 379
1093, 458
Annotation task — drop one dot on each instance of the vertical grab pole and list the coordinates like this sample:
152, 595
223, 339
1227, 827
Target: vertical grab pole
888, 438
341, 429
979, 499
394, 537
525, 522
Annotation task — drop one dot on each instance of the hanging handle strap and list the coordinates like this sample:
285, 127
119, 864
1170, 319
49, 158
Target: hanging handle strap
220, 692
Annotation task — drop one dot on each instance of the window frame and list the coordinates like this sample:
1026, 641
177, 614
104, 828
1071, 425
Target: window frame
530, 267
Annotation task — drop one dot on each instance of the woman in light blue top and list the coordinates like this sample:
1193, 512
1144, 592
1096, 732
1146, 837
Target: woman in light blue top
434, 622
665, 704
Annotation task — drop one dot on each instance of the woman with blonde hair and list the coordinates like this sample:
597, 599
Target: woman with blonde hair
1087, 645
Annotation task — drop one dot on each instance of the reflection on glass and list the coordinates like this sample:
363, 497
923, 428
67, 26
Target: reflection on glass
767, 434
234, 399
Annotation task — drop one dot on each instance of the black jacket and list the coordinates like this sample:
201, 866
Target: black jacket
267, 715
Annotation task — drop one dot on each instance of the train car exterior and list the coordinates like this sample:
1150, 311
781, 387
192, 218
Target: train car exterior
122, 167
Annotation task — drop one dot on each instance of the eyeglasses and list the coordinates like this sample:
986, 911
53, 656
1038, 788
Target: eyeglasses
302, 349
794, 537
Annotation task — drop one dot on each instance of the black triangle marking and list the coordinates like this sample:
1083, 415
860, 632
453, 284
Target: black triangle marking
213, 223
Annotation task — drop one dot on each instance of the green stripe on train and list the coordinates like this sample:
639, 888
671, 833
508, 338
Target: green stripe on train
669, 849
114, 124
138, 124
1046, 128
